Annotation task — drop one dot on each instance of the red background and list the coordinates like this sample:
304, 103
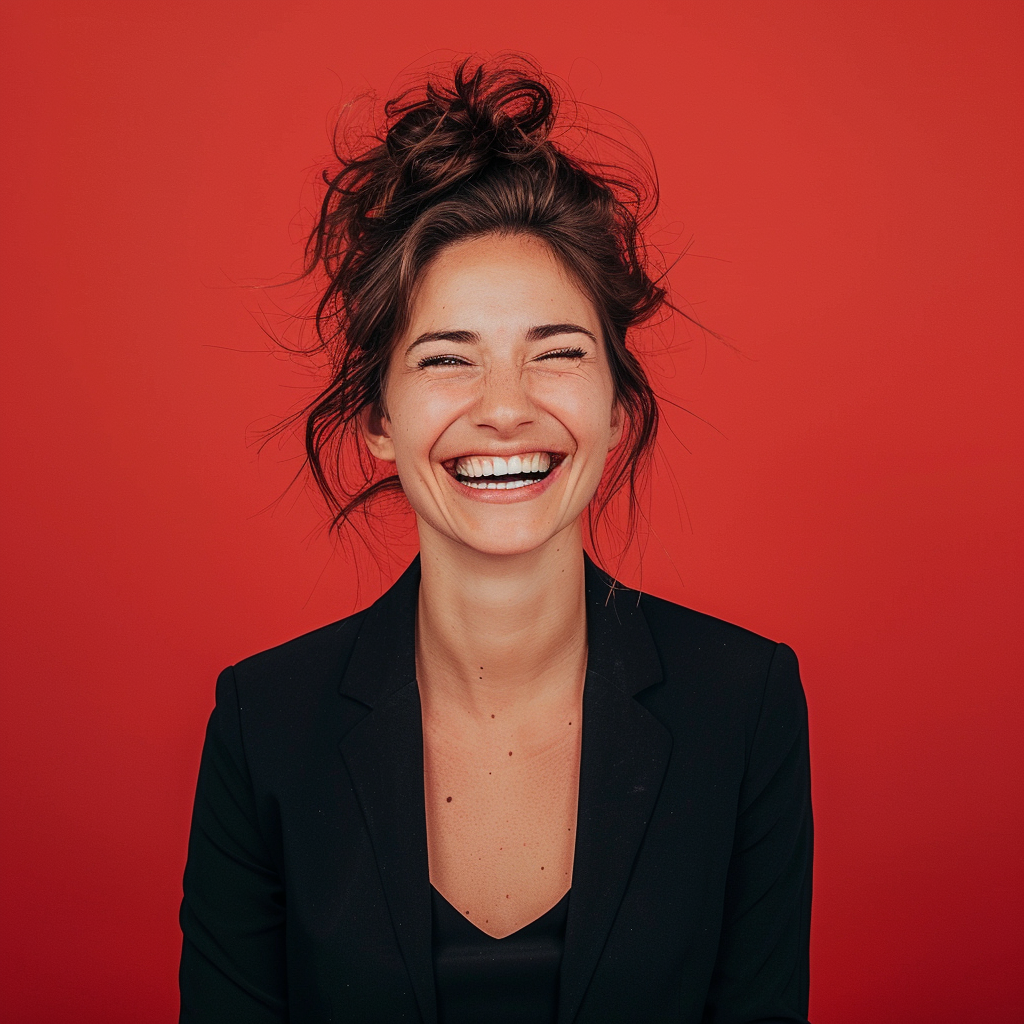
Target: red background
850, 175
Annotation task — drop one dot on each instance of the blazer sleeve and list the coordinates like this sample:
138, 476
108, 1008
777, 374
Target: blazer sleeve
233, 913
761, 972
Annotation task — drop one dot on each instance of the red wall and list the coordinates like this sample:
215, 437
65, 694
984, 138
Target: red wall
850, 177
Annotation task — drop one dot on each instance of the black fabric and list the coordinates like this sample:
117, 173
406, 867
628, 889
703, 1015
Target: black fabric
513, 980
307, 893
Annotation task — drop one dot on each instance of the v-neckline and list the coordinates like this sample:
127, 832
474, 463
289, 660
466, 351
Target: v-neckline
550, 912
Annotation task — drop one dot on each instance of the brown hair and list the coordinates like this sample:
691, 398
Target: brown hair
455, 159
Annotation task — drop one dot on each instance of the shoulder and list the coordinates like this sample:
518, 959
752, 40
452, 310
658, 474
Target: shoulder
307, 665
692, 637
721, 668
281, 708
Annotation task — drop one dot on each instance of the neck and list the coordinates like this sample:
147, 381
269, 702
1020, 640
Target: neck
501, 633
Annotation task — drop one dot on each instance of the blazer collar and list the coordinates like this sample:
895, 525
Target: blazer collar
625, 752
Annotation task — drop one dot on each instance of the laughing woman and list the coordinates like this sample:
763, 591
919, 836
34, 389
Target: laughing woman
508, 791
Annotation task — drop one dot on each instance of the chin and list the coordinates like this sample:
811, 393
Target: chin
505, 543
496, 535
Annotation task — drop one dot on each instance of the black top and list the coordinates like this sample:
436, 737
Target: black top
307, 889
513, 980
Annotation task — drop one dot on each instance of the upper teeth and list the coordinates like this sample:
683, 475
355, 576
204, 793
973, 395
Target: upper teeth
495, 465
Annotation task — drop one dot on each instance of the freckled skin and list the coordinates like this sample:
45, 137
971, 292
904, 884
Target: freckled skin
515, 823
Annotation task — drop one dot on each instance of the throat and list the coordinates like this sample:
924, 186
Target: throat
498, 636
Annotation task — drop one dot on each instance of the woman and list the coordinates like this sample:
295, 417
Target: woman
509, 790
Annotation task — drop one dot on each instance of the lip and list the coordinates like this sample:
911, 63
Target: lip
507, 497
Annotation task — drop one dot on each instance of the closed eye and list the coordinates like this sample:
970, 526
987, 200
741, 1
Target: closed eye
564, 353
441, 361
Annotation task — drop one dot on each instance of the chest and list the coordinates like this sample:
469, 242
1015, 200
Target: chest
501, 818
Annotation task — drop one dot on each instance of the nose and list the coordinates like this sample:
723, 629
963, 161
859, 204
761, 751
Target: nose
504, 404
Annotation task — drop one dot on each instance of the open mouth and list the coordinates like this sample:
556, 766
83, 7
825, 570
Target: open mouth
494, 473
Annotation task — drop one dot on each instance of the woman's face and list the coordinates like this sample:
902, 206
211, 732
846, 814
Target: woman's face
500, 407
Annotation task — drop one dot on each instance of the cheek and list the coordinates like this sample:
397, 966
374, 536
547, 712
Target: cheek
583, 406
420, 415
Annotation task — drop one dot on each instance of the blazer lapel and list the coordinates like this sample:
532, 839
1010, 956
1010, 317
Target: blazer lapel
384, 756
625, 753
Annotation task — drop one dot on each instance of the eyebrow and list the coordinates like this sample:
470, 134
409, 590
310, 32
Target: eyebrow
538, 333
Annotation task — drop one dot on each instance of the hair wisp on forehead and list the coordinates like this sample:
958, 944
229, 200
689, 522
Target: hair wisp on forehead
460, 156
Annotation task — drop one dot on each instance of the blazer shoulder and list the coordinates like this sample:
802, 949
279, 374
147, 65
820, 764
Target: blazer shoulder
736, 677
694, 645
312, 661
670, 620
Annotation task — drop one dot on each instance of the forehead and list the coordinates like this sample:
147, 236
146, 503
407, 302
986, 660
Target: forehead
515, 278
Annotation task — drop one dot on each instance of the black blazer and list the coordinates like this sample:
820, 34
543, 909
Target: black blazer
307, 893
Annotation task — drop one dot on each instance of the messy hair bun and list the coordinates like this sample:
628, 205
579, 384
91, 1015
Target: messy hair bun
457, 158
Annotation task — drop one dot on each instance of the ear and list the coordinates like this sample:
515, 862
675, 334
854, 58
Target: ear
376, 430
618, 424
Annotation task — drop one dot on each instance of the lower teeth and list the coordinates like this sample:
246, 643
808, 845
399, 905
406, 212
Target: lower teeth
499, 485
